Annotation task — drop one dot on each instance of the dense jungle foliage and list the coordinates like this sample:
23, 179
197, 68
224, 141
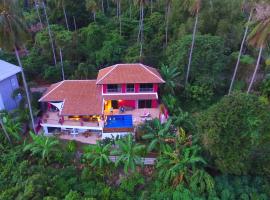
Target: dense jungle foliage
216, 144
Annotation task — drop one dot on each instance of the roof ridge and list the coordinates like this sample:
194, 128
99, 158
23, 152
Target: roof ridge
51, 90
113, 67
145, 67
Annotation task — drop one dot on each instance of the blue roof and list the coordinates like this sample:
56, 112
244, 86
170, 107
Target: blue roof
7, 70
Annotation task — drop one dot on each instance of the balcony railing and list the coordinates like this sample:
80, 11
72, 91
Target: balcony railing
114, 90
146, 89
130, 90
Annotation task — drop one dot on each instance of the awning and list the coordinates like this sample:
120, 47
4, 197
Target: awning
135, 96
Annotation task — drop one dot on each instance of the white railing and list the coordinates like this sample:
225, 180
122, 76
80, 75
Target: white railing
146, 89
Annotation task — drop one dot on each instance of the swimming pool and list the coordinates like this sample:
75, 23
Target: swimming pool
119, 121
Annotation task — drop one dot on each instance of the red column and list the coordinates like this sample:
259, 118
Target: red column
155, 87
124, 86
137, 87
154, 103
104, 88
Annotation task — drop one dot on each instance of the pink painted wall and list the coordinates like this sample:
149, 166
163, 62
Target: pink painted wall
124, 88
129, 103
137, 87
155, 87
154, 103
104, 88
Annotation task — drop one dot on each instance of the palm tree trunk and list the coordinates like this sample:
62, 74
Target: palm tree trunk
240, 53
140, 21
75, 25
4, 130
192, 46
50, 34
37, 9
62, 65
102, 6
120, 23
130, 9
141, 40
94, 15
151, 6
65, 14
256, 69
26, 89
108, 5
168, 8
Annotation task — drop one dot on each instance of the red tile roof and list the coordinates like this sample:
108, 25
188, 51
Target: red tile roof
135, 96
80, 97
129, 73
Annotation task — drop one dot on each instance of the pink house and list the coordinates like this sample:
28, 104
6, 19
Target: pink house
129, 86
128, 92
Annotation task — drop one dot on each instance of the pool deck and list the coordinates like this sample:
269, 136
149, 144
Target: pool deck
137, 114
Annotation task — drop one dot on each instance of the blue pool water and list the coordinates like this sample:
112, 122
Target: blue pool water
119, 121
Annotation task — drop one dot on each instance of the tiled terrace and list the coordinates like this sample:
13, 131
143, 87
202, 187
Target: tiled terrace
53, 119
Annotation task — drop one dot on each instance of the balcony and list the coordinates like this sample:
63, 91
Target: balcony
114, 90
146, 90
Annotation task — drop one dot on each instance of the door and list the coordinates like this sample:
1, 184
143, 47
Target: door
145, 104
115, 104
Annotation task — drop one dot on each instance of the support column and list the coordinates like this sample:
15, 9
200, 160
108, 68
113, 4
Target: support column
136, 104
45, 128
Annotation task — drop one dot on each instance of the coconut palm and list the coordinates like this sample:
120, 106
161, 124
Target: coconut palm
141, 4
259, 35
49, 31
167, 14
171, 77
13, 33
241, 49
118, 14
194, 7
158, 134
42, 146
129, 153
13, 128
61, 4
91, 6
98, 155
38, 14
3, 127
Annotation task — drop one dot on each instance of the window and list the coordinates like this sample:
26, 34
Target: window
130, 88
146, 87
113, 88
145, 104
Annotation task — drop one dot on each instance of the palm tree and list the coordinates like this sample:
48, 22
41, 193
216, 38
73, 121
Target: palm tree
118, 14
98, 155
12, 34
42, 146
167, 14
129, 153
141, 4
241, 49
2, 120
37, 10
49, 31
194, 6
260, 34
91, 6
158, 134
171, 77
13, 128
61, 4
175, 166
